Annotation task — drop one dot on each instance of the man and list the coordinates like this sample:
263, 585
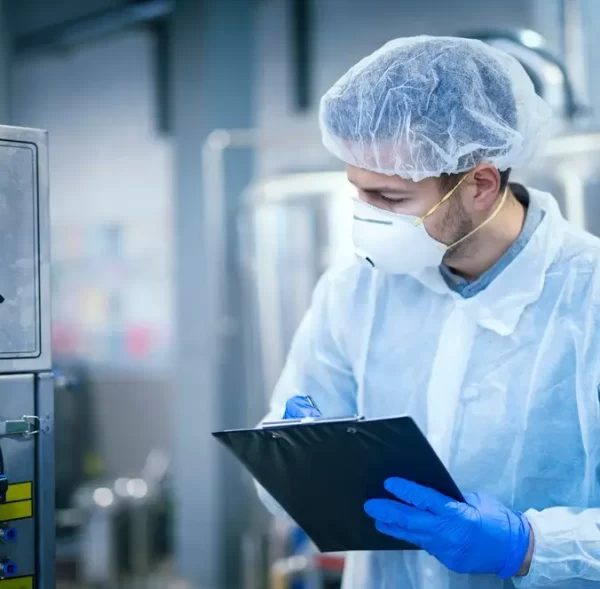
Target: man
476, 312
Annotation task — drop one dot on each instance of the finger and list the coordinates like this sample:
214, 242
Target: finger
414, 494
392, 512
399, 533
298, 407
478, 500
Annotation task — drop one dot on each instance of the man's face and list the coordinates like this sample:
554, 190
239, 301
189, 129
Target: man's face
447, 224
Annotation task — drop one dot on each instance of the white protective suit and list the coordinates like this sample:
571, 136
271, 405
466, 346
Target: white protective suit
504, 384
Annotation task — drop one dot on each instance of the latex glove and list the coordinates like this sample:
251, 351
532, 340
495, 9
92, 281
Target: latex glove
480, 536
300, 406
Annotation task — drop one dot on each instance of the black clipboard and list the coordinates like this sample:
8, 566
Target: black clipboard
322, 472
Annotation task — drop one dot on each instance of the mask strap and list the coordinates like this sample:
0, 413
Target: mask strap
490, 218
435, 207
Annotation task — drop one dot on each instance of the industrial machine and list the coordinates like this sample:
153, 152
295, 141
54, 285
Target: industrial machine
26, 382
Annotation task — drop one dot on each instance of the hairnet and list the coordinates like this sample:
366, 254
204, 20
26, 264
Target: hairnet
423, 106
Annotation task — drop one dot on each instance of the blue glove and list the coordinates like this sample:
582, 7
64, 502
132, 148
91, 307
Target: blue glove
299, 406
480, 536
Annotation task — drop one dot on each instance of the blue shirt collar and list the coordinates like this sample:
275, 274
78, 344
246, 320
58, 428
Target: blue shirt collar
533, 217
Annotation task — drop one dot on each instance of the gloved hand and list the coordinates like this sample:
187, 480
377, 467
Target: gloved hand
300, 406
480, 536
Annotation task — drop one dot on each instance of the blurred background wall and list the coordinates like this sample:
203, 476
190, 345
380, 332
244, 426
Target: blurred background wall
129, 92
112, 232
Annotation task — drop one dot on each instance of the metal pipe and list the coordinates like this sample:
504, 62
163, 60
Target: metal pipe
94, 26
549, 75
573, 144
574, 47
214, 214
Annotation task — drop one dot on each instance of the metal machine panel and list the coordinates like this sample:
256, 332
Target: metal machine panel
17, 398
26, 383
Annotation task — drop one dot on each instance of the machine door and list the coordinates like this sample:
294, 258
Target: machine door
19, 260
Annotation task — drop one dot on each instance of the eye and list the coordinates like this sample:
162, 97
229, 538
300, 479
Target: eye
391, 201
378, 199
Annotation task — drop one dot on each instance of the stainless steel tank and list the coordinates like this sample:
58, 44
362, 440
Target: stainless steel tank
292, 228
569, 170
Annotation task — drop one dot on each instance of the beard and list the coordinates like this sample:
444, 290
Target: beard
457, 224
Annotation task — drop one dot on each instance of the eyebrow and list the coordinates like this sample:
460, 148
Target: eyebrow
382, 188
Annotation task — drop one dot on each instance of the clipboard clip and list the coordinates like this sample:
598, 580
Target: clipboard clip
308, 421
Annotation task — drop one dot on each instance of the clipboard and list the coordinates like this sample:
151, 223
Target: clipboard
321, 471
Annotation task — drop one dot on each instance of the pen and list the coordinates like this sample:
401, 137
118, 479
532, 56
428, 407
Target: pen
312, 403
298, 420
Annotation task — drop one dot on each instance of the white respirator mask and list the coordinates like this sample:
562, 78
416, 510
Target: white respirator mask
399, 244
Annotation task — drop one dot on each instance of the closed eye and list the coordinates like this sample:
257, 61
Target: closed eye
374, 196
392, 201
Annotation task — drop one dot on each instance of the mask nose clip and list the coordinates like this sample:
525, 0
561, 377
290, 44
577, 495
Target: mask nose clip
364, 257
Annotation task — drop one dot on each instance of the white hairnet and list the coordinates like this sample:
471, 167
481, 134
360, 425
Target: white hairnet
423, 106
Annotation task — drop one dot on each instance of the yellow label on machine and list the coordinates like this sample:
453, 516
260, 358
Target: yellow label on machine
19, 492
19, 502
17, 583
16, 510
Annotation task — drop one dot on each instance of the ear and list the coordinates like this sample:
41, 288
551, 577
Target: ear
485, 184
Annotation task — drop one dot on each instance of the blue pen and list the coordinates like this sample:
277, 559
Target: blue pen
312, 403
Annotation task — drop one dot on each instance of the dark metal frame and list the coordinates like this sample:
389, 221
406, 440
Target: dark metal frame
94, 26
45, 529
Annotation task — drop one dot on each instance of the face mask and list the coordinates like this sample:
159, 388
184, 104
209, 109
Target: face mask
400, 244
